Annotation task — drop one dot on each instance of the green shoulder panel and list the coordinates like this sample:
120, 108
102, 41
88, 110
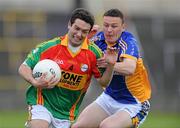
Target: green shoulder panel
95, 49
34, 56
98, 52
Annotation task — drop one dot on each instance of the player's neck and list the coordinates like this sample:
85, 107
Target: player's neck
110, 43
73, 48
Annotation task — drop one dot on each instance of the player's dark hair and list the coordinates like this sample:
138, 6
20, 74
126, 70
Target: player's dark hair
83, 14
114, 13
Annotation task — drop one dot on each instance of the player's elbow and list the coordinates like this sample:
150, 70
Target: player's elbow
103, 83
20, 68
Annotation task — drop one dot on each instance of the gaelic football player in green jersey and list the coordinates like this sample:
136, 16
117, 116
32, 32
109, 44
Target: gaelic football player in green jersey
58, 106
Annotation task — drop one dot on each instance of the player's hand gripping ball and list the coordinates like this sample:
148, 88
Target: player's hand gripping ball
47, 66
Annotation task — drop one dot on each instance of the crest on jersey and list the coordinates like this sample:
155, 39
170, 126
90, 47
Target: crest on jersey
84, 67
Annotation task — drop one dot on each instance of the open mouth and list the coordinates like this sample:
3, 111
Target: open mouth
109, 36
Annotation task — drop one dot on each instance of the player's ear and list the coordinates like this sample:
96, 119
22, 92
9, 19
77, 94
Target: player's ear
124, 25
69, 25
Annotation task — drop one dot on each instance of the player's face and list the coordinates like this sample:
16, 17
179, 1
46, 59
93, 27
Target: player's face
78, 32
112, 27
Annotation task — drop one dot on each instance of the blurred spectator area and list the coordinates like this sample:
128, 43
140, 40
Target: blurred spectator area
19, 33
156, 24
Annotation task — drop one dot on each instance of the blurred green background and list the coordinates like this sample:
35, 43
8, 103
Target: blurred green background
155, 23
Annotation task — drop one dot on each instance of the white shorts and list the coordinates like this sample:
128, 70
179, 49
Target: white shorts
138, 112
40, 112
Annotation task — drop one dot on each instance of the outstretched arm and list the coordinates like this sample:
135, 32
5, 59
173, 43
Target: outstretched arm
109, 60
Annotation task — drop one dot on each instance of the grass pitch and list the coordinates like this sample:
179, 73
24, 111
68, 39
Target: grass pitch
16, 119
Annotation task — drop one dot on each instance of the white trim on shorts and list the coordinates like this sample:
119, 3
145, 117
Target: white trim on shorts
111, 106
40, 112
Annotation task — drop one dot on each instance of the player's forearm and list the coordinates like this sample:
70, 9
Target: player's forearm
107, 75
125, 68
26, 73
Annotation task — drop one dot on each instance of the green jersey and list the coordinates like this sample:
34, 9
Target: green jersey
64, 99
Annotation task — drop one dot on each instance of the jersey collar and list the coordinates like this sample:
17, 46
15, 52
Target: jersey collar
64, 42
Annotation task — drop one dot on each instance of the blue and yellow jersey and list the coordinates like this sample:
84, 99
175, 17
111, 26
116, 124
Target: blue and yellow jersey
64, 99
127, 89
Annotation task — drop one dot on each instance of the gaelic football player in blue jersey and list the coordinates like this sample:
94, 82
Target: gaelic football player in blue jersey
124, 102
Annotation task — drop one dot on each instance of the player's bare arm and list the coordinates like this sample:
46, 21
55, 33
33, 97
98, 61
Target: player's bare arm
109, 60
26, 72
126, 67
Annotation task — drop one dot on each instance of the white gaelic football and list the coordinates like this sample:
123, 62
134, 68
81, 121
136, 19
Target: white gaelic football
47, 66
